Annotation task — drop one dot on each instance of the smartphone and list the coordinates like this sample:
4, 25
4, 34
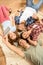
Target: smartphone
6, 31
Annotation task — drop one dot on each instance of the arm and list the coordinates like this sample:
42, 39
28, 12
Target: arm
13, 48
29, 32
1, 32
12, 19
32, 42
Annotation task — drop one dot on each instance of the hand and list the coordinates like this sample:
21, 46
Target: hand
32, 42
5, 38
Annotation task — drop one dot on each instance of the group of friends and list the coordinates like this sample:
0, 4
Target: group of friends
25, 32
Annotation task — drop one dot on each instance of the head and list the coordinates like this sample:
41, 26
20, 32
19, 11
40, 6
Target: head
25, 35
23, 43
12, 37
21, 27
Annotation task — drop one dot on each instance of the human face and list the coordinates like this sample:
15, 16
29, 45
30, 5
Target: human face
12, 35
23, 43
25, 35
21, 27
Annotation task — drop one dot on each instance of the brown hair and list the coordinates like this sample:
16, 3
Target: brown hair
14, 40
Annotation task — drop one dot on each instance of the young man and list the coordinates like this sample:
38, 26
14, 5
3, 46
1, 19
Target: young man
30, 9
4, 18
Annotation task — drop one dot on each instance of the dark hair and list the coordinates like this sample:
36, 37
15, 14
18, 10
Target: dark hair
30, 21
11, 40
22, 36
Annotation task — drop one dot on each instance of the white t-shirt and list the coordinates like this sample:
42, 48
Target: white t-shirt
27, 13
7, 24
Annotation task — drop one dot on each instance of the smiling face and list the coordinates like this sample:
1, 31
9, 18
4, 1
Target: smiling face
21, 27
35, 16
12, 35
25, 35
23, 43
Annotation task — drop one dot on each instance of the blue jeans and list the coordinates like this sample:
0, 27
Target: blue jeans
17, 18
35, 6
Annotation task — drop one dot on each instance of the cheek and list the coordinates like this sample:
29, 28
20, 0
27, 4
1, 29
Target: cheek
21, 43
24, 35
10, 36
14, 36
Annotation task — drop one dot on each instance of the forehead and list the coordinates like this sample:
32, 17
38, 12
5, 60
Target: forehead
11, 33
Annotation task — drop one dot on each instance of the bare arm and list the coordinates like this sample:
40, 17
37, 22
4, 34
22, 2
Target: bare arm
1, 32
13, 48
29, 32
32, 42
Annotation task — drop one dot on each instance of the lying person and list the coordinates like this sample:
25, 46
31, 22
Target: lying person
23, 43
33, 31
12, 38
6, 23
32, 53
26, 34
36, 31
21, 39
16, 41
29, 20
4, 18
30, 9
30, 12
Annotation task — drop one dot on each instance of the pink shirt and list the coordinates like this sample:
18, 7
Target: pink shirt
4, 13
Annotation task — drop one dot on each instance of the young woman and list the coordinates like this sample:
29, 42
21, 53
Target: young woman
22, 36
12, 38
15, 39
26, 34
23, 43
32, 53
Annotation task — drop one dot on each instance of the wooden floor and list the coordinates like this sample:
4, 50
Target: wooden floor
17, 4
11, 57
14, 4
